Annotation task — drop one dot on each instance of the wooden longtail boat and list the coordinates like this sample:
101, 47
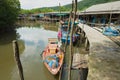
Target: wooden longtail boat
53, 54
62, 35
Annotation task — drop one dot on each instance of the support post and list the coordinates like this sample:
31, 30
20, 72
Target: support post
17, 59
71, 34
81, 37
68, 31
60, 73
86, 44
69, 25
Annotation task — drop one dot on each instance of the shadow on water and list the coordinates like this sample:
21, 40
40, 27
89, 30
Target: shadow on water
6, 52
8, 37
76, 74
32, 40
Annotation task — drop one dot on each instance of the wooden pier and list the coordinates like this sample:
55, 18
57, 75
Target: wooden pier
116, 39
104, 55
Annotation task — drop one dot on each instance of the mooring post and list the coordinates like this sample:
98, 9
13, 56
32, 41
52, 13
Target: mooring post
69, 24
60, 73
81, 38
68, 31
87, 44
71, 44
17, 59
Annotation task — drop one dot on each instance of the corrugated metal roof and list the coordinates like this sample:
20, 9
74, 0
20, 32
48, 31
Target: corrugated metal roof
105, 8
99, 12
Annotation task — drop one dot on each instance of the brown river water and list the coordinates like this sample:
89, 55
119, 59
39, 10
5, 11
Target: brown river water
32, 41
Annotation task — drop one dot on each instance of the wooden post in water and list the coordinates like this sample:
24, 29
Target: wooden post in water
109, 24
71, 44
68, 31
60, 72
82, 31
87, 44
69, 25
17, 59
60, 9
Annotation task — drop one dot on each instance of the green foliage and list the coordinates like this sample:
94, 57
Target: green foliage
81, 6
46, 10
62, 8
23, 11
9, 10
37, 10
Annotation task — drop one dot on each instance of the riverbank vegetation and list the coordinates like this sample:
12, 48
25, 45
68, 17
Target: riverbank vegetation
9, 11
47, 25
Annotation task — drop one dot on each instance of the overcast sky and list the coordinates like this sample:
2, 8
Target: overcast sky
29, 4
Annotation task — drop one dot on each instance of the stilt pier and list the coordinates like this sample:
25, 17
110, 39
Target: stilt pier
104, 55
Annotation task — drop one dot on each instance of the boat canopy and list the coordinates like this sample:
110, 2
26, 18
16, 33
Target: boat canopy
61, 14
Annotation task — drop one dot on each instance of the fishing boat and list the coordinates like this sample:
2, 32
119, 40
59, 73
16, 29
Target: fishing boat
53, 56
62, 35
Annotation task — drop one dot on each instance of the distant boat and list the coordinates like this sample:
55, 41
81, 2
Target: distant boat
62, 35
53, 56
75, 23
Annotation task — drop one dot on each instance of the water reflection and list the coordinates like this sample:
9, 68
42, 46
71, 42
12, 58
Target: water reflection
6, 54
35, 36
35, 40
32, 41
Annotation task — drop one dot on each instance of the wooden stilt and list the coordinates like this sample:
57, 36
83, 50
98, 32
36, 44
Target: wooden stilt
71, 51
69, 25
68, 30
17, 59
86, 44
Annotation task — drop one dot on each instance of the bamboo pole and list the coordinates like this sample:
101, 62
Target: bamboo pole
60, 9
71, 51
68, 31
82, 30
17, 59
60, 74
69, 25
87, 44
110, 18
72, 4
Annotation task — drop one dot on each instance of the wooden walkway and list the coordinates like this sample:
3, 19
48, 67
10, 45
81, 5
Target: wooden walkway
116, 39
104, 56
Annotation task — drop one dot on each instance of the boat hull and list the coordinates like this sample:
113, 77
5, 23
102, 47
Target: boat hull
46, 54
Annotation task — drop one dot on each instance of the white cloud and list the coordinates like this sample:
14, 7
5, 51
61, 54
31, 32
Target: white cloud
29, 4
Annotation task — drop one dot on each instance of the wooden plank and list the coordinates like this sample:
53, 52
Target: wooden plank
52, 40
79, 61
76, 59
